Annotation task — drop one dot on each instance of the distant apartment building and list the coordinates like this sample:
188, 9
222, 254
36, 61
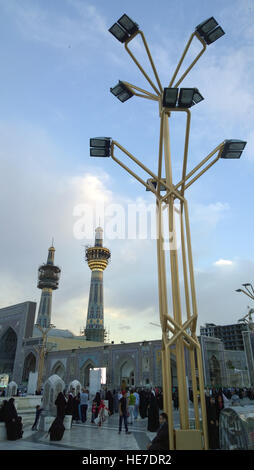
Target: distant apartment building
230, 335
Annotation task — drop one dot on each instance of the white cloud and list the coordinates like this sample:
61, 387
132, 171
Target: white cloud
209, 215
223, 262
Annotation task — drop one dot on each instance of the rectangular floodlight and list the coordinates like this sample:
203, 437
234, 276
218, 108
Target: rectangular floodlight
124, 96
100, 142
236, 144
130, 26
185, 99
233, 148
119, 32
210, 30
206, 26
121, 91
154, 183
170, 97
229, 154
214, 35
116, 90
99, 152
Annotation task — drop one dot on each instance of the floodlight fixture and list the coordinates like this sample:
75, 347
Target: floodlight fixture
187, 97
214, 35
207, 26
154, 183
233, 148
170, 97
124, 28
119, 32
122, 92
128, 24
238, 290
210, 30
100, 147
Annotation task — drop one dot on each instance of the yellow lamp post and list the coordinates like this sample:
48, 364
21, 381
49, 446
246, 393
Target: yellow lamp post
42, 350
178, 329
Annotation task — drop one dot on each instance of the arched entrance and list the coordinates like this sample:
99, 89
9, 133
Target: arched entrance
127, 374
59, 370
8, 345
85, 373
29, 366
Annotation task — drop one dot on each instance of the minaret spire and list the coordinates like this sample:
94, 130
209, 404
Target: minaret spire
48, 279
97, 258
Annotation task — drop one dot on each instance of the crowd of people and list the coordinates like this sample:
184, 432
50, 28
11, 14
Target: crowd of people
130, 404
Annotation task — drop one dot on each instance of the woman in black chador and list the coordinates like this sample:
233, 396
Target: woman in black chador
56, 430
69, 410
12, 421
61, 405
142, 404
212, 423
153, 414
76, 402
110, 399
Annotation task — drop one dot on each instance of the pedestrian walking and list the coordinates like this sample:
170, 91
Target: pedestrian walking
153, 414
102, 413
98, 400
69, 405
115, 400
176, 400
94, 410
56, 430
37, 416
83, 404
110, 399
131, 406
137, 402
60, 405
76, 405
123, 413
212, 424
143, 404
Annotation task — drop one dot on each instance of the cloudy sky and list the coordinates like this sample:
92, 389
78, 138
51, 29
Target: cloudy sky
58, 61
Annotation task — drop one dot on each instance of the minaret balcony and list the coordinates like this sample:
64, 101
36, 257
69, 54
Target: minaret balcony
47, 284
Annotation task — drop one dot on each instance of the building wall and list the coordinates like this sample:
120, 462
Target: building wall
120, 360
231, 335
248, 338
20, 319
213, 362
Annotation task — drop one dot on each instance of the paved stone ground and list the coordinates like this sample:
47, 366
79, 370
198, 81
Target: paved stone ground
91, 437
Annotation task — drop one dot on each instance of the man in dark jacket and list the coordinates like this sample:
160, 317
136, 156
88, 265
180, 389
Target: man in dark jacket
123, 413
161, 441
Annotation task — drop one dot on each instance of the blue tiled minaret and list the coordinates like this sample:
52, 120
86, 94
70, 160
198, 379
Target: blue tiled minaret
48, 279
97, 258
